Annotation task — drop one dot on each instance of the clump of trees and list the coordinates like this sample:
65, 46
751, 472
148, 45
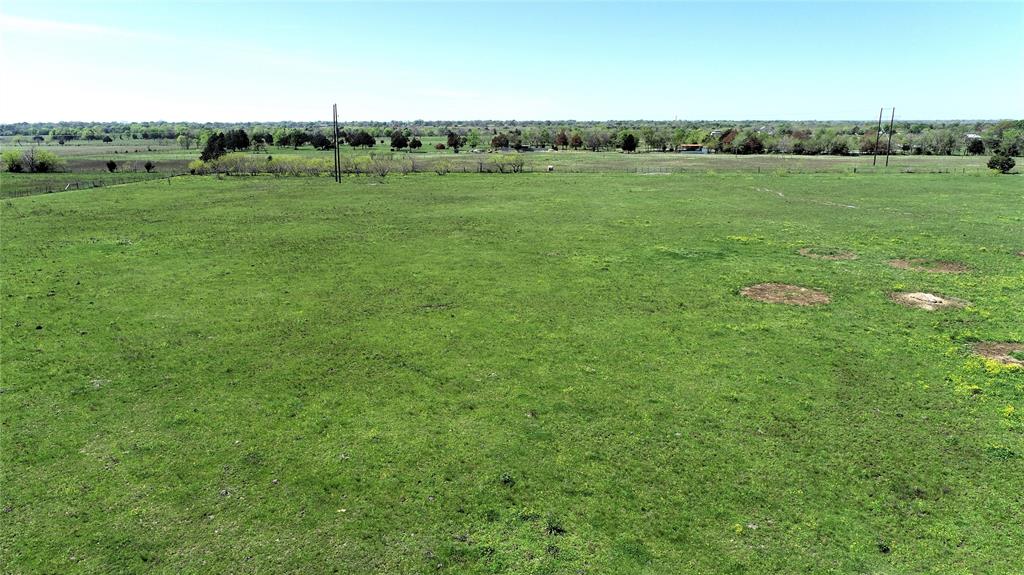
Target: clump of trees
399, 140
455, 141
33, 161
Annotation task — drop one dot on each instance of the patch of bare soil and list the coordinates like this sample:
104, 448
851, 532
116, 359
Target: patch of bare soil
827, 254
927, 265
1003, 352
926, 301
785, 293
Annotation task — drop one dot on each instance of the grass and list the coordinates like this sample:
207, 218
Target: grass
541, 373
17, 185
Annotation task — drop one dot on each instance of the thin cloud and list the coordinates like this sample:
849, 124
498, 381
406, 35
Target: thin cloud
16, 24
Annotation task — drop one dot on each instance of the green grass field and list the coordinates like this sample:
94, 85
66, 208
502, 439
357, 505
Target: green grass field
533, 373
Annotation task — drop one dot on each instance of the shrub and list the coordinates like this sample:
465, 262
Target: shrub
415, 144
379, 165
975, 147
442, 167
439, 146
111, 165
198, 167
46, 161
1001, 162
149, 166
12, 161
509, 163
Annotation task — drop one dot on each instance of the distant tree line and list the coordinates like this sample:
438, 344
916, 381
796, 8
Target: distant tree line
802, 138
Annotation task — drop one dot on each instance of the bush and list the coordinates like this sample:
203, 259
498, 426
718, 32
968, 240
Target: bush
48, 162
509, 163
12, 161
111, 166
1001, 162
442, 167
439, 146
379, 165
149, 166
975, 147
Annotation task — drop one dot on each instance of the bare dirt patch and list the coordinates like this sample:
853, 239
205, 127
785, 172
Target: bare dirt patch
927, 265
785, 293
926, 301
1003, 352
827, 254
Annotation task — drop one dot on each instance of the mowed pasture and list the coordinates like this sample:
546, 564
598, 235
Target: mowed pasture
530, 373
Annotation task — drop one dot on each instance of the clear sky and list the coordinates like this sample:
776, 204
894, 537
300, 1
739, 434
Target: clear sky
262, 61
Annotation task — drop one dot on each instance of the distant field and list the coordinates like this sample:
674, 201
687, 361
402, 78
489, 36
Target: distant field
87, 158
532, 373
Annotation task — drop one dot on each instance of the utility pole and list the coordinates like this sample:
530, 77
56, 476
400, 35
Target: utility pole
888, 145
337, 152
878, 134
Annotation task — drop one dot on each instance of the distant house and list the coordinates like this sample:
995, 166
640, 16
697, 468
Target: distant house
972, 137
691, 149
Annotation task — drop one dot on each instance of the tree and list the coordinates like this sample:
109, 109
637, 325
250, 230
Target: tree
561, 139
499, 141
1002, 162
214, 147
751, 144
455, 141
975, 146
236, 140
629, 143
186, 140
576, 142
473, 139
415, 144
111, 166
107, 139
321, 142
149, 165
362, 138
399, 140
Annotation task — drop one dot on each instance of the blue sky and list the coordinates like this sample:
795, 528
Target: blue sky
261, 61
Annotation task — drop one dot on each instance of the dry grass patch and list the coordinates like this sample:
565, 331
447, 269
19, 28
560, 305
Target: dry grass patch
785, 293
927, 265
827, 254
1003, 352
926, 301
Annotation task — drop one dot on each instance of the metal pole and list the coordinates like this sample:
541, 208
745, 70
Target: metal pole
878, 134
888, 144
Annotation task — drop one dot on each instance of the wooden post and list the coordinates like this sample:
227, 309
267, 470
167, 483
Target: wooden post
888, 144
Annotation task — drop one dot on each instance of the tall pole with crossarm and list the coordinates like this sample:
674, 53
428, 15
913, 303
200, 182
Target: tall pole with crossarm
888, 144
337, 152
878, 134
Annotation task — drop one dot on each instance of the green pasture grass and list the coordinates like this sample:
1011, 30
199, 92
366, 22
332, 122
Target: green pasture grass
533, 373
14, 185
